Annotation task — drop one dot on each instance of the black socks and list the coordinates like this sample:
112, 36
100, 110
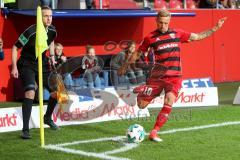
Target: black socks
27, 109
26, 112
52, 102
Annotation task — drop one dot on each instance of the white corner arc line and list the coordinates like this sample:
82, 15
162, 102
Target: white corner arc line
83, 153
105, 155
128, 146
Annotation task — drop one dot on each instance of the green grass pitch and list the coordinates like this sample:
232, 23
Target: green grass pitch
221, 143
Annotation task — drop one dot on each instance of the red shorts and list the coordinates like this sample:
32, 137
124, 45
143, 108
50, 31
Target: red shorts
154, 87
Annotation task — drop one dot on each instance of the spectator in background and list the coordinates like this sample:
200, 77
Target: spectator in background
146, 61
222, 4
134, 74
237, 4
49, 3
148, 57
1, 50
231, 4
59, 57
208, 4
89, 4
92, 68
46, 2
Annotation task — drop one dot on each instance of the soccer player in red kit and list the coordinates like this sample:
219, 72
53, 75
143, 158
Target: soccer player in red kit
166, 72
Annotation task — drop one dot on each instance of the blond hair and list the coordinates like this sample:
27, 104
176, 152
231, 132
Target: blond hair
58, 45
46, 8
88, 47
163, 13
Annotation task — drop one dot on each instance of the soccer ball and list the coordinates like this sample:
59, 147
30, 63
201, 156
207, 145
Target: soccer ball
135, 133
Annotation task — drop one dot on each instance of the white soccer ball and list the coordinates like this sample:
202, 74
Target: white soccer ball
135, 133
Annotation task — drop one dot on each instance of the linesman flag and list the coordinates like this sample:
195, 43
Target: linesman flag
41, 35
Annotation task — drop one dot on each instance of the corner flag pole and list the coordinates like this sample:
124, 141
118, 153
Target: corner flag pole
40, 89
40, 47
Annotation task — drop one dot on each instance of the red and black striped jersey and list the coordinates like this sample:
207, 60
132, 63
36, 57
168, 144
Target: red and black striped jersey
166, 48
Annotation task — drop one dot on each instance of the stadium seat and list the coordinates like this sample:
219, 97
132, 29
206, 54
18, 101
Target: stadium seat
104, 79
107, 77
68, 80
175, 4
123, 4
71, 4
160, 4
81, 82
23, 4
118, 80
105, 4
191, 4
46, 94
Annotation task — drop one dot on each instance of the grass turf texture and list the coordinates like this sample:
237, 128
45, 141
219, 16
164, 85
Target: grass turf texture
213, 143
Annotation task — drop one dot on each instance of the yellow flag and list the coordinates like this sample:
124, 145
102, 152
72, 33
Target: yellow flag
41, 35
9, 1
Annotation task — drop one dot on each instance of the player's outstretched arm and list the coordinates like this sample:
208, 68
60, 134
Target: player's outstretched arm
123, 69
207, 33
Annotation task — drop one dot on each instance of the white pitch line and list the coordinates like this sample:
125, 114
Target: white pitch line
91, 141
200, 127
128, 146
105, 155
83, 153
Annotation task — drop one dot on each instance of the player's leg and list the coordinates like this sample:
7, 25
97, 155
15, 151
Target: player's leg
143, 101
146, 93
163, 116
172, 87
28, 78
52, 102
165, 111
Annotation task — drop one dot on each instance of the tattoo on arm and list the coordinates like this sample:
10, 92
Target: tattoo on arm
205, 34
202, 35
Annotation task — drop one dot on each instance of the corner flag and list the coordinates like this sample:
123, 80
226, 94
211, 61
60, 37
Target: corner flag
41, 35
40, 46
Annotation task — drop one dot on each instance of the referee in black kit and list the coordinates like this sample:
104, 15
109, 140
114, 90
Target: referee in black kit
27, 68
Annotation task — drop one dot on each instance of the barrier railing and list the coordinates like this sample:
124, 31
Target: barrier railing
104, 4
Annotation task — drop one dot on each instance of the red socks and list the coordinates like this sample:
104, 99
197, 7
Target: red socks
162, 116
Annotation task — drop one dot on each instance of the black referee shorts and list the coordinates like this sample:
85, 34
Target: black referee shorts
29, 76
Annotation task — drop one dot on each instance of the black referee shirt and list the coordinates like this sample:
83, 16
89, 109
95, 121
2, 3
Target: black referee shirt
26, 41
